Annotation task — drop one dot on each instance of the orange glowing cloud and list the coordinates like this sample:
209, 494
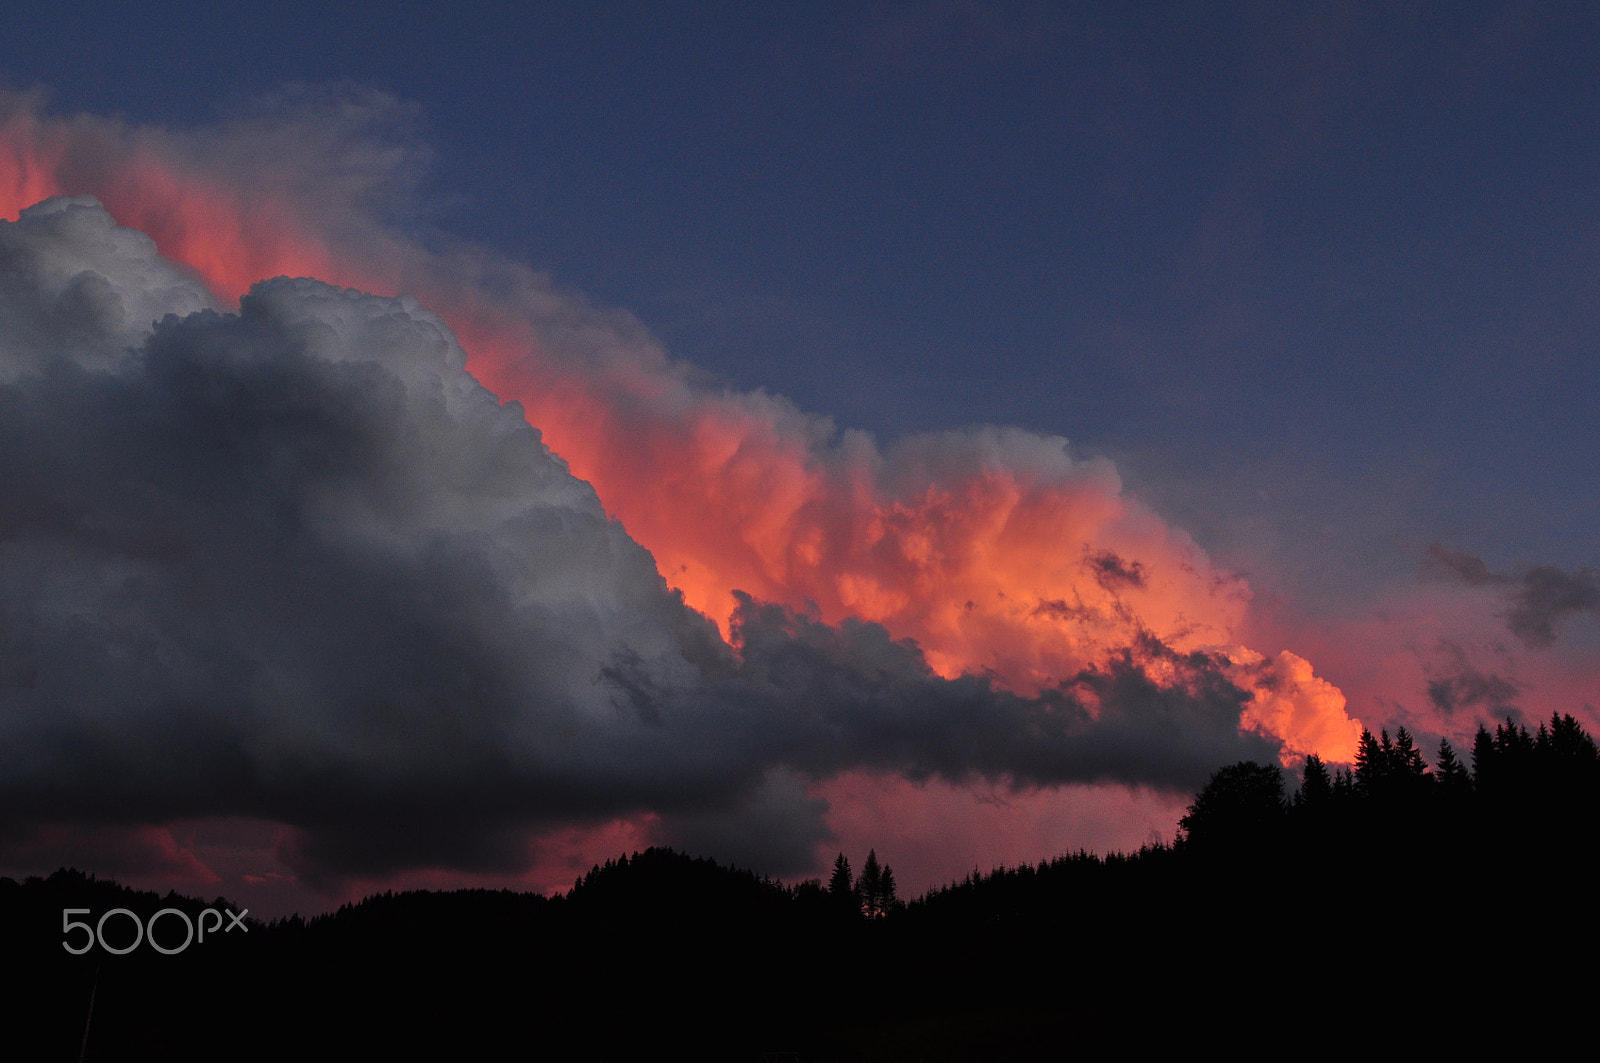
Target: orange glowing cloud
1292, 703
1437, 659
230, 237
995, 549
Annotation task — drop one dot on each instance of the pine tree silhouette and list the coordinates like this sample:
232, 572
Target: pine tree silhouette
869, 887
841, 887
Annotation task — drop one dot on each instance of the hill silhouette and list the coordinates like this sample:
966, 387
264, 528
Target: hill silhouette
1366, 890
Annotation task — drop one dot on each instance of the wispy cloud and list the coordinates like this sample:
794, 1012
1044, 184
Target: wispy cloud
1539, 599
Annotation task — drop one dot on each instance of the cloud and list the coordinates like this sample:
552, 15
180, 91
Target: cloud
1539, 599
1111, 572
1291, 701
1545, 596
1453, 683
998, 550
1441, 561
296, 564
860, 698
73, 283
777, 827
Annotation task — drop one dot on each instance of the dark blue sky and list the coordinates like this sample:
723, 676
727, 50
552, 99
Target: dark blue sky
1320, 278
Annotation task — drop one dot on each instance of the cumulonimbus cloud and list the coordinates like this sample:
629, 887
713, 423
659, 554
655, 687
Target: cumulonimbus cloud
295, 563
997, 549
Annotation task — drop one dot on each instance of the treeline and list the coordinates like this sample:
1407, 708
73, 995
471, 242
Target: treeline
1540, 787
1358, 883
651, 950
1349, 846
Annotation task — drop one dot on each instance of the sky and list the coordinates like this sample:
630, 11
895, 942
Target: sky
953, 429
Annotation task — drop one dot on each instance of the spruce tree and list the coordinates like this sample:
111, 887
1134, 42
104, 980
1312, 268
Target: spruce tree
1316, 788
840, 886
1408, 762
1369, 762
1483, 759
887, 900
869, 887
1453, 777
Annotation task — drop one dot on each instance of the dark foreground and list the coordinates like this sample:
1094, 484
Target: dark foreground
1378, 911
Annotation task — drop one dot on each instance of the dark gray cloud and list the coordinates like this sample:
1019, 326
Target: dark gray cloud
1538, 600
1453, 683
295, 564
1544, 596
857, 697
775, 827
76, 287
1440, 561
1112, 572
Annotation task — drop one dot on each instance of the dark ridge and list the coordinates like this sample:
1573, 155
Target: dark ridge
1270, 917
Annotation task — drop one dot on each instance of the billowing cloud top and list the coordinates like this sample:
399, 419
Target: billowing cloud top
296, 563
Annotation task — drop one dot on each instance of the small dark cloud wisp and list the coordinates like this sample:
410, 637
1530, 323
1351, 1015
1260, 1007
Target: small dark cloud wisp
1538, 600
1453, 683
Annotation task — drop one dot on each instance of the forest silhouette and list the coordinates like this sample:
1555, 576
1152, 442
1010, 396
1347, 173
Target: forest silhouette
1373, 892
